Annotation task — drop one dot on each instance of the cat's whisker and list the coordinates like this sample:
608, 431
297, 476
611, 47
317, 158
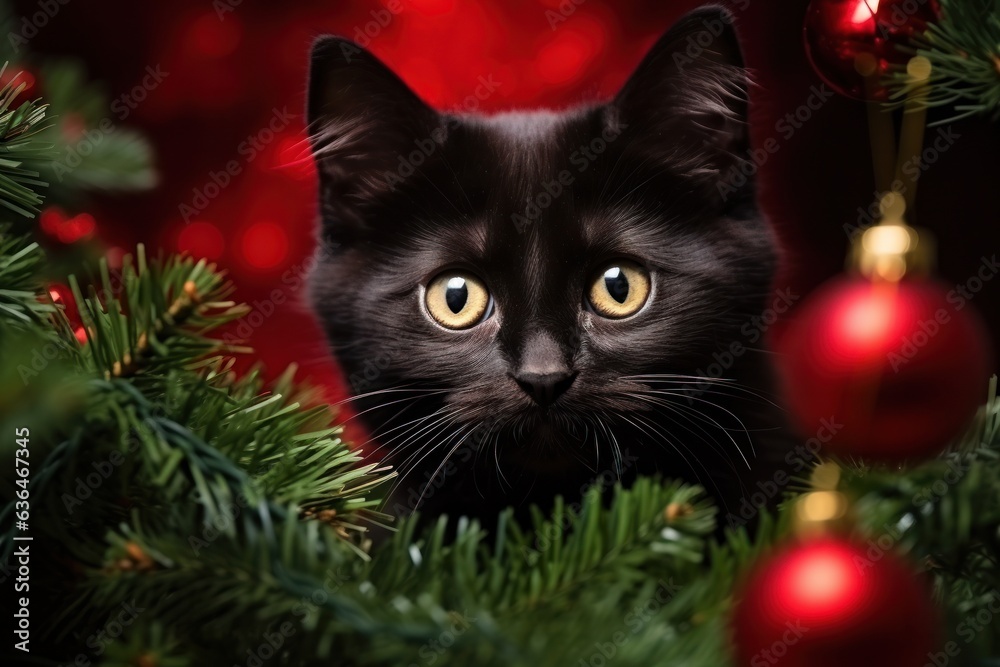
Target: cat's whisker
455, 415
719, 495
658, 434
689, 414
662, 403
389, 390
415, 422
713, 421
385, 405
444, 461
743, 428
502, 478
719, 383
424, 430
576, 454
423, 451
674, 409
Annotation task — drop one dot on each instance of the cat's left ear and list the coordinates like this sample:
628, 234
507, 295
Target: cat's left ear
362, 120
686, 102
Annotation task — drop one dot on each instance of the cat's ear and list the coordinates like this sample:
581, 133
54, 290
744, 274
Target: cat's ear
686, 102
363, 123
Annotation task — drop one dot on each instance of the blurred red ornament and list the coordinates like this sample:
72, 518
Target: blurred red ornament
837, 32
828, 602
899, 368
58, 225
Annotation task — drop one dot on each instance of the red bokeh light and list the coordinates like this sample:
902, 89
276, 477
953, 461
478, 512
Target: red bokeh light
201, 239
60, 226
563, 59
264, 245
14, 74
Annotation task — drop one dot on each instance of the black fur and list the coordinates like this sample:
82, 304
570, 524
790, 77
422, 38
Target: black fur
407, 192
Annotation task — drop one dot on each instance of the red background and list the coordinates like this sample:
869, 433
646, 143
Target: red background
227, 75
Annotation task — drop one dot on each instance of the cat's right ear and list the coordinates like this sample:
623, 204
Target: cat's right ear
363, 122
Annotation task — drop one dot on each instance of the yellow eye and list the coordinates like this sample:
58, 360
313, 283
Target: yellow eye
619, 290
457, 300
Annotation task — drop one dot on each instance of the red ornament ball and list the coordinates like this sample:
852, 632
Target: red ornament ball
837, 32
884, 371
828, 602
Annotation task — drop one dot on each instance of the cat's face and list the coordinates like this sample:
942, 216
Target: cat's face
520, 273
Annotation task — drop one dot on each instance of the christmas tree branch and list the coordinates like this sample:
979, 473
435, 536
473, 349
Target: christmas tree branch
965, 61
156, 317
19, 148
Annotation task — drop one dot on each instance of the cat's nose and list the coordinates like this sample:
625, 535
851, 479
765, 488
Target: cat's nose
545, 388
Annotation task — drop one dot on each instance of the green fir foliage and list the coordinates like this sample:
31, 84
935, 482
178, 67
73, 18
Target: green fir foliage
964, 50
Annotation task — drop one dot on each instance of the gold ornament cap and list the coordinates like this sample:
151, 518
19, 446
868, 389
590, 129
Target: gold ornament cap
892, 249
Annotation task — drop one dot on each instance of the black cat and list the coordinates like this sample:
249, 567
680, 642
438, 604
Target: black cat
530, 302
